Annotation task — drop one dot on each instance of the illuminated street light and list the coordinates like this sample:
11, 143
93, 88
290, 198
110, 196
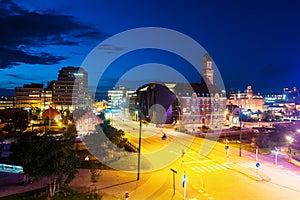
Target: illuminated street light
288, 138
298, 130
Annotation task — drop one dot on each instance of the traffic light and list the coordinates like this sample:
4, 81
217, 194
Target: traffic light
126, 195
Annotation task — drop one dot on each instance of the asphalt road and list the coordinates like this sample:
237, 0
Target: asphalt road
210, 173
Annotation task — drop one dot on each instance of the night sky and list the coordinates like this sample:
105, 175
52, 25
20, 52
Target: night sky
252, 42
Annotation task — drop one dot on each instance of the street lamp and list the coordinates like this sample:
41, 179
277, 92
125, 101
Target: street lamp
240, 119
140, 138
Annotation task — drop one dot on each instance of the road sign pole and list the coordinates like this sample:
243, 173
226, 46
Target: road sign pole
140, 141
276, 151
184, 192
256, 154
257, 166
184, 183
174, 172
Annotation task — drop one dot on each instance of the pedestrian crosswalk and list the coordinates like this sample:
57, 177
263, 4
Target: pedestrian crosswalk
209, 168
247, 164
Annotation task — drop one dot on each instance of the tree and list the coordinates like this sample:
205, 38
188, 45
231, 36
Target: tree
296, 142
262, 140
104, 141
46, 156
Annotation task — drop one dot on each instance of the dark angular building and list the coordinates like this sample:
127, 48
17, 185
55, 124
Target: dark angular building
155, 101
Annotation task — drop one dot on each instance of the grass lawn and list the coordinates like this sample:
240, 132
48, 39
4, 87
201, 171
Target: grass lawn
64, 194
295, 154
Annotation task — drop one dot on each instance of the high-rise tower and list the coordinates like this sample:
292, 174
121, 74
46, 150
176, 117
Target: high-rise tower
70, 90
207, 71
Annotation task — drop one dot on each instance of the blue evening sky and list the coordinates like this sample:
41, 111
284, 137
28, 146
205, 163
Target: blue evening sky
252, 42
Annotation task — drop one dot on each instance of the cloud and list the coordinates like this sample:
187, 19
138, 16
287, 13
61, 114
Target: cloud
11, 83
23, 32
20, 77
109, 48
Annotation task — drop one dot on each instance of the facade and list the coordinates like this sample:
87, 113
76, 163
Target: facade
246, 100
86, 121
118, 99
30, 95
155, 102
192, 105
70, 90
200, 105
284, 105
7, 102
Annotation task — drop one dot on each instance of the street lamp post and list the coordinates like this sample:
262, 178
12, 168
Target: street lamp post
240, 119
140, 139
174, 172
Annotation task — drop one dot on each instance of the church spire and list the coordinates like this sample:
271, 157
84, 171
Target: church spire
207, 71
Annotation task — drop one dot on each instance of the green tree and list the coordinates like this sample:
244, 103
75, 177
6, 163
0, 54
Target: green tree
19, 118
262, 140
296, 142
70, 132
46, 156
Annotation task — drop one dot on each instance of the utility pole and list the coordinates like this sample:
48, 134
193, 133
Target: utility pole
240, 119
140, 138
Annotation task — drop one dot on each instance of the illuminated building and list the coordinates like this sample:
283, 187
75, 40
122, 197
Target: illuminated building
7, 102
286, 104
30, 95
70, 90
86, 121
193, 105
246, 100
118, 100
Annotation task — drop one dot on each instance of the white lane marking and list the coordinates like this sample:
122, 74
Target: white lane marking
194, 169
205, 168
216, 167
211, 168
221, 166
227, 166
199, 161
201, 170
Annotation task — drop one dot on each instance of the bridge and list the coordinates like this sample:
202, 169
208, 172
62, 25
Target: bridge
11, 168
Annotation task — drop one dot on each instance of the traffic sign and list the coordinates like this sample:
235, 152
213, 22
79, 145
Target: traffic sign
126, 195
257, 164
226, 147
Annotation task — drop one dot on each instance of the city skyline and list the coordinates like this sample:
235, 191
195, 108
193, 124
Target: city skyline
39, 38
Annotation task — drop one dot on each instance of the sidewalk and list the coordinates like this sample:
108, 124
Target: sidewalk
267, 169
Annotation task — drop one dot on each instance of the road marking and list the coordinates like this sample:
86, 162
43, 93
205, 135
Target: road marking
228, 167
247, 164
221, 166
201, 170
211, 168
199, 161
216, 167
242, 165
205, 168
195, 170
